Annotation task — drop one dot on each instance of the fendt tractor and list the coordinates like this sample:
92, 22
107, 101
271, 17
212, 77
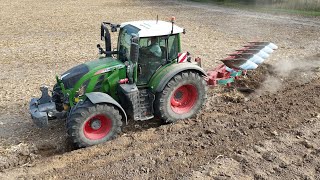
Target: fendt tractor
145, 76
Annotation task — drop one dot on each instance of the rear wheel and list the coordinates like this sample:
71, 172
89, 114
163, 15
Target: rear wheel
182, 97
89, 124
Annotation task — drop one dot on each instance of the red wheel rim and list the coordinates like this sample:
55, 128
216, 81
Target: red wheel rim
184, 98
97, 127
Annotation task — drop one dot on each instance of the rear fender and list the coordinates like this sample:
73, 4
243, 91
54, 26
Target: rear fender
161, 78
99, 97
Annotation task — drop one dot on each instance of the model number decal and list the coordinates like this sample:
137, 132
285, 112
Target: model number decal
108, 69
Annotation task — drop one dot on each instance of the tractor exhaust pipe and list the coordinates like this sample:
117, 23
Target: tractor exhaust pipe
105, 35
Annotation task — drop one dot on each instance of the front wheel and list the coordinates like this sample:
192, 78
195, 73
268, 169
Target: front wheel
182, 97
89, 124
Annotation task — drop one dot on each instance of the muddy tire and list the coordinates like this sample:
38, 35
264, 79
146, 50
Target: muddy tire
90, 124
182, 97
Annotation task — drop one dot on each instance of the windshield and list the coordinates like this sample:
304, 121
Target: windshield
164, 44
124, 42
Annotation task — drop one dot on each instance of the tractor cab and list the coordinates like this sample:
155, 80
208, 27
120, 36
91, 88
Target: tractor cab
157, 44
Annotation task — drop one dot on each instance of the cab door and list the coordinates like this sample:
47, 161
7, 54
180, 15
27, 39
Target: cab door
150, 59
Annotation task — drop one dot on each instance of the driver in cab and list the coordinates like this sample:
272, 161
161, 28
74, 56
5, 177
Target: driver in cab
154, 47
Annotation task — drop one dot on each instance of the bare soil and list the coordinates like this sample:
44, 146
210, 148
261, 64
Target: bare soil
267, 126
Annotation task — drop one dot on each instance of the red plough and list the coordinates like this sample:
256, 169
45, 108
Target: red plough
239, 62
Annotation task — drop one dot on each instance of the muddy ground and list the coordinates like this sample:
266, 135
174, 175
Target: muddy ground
267, 126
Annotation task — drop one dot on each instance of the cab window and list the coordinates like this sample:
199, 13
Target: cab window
155, 52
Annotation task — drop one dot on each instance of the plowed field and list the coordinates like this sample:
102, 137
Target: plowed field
267, 126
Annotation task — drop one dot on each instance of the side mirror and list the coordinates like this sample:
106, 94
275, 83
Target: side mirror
134, 51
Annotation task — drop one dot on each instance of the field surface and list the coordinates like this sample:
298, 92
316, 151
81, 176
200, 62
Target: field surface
266, 127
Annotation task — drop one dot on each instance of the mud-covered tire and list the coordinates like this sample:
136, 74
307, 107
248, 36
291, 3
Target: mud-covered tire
182, 97
90, 124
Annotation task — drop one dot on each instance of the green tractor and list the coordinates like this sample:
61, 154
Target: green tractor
146, 76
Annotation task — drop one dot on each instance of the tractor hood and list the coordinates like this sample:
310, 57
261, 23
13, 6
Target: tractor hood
73, 75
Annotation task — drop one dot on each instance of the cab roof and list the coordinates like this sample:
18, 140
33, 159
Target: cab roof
154, 28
